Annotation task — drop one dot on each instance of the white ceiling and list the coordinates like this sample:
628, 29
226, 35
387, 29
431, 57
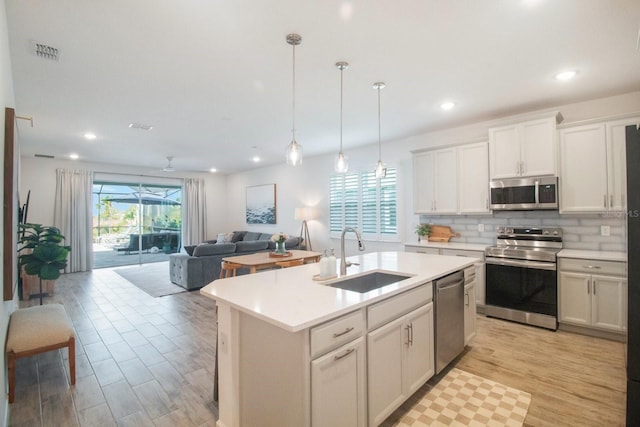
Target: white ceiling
214, 78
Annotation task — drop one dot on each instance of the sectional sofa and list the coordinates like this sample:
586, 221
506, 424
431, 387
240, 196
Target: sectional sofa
200, 264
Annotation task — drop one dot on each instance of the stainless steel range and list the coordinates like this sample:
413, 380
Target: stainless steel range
521, 275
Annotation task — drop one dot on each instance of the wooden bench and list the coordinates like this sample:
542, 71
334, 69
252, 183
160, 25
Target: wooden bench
36, 330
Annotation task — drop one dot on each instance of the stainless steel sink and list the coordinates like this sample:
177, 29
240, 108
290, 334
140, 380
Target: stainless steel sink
368, 282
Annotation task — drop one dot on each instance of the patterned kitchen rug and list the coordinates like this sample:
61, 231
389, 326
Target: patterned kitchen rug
463, 399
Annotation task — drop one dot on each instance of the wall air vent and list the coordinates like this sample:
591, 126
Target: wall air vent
45, 51
44, 156
140, 126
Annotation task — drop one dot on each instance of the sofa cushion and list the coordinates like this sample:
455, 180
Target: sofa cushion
237, 236
189, 249
292, 242
252, 246
265, 236
205, 249
251, 235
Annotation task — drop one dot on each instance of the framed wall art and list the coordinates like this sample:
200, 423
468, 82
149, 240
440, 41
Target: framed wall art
261, 204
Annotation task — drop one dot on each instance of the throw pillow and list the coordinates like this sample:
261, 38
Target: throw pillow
229, 238
189, 249
221, 238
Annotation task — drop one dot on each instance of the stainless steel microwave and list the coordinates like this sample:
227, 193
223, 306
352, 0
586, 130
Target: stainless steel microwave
531, 193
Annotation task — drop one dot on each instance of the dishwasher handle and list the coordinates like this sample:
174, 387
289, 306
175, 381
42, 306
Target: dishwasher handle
447, 288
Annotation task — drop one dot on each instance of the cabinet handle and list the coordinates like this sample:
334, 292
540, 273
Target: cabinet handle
466, 294
605, 201
597, 267
411, 334
346, 331
346, 353
589, 287
517, 168
611, 201
486, 203
521, 167
594, 286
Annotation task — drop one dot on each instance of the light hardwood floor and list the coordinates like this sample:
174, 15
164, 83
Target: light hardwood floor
144, 361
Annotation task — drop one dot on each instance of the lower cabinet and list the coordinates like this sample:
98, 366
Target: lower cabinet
400, 360
593, 300
469, 312
338, 387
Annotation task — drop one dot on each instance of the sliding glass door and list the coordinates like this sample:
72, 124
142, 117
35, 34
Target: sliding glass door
135, 223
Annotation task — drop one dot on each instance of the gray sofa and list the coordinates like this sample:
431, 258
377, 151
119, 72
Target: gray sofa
201, 264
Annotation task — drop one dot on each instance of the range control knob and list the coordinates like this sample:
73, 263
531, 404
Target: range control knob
545, 232
509, 231
555, 232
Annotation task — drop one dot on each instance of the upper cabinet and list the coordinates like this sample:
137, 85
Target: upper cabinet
451, 180
593, 167
523, 149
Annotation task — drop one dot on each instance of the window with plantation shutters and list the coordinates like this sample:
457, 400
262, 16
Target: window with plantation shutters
358, 199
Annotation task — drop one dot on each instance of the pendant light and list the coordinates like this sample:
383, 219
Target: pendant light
381, 169
294, 150
341, 164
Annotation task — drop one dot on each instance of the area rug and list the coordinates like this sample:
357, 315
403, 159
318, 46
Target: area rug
463, 399
152, 278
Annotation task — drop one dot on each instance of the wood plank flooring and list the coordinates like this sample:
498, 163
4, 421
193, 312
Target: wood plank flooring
144, 361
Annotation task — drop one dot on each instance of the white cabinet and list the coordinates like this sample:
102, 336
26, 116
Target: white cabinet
473, 178
435, 181
593, 294
338, 393
469, 312
593, 167
400, 360
523, 149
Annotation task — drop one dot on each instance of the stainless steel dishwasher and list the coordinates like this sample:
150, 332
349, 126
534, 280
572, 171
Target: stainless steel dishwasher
449, 302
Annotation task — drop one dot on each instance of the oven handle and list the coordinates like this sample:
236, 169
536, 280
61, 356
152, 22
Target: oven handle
521, 263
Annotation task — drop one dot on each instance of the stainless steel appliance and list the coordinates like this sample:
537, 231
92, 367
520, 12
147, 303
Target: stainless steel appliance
524, 193
633, 264
521, 275
449, 303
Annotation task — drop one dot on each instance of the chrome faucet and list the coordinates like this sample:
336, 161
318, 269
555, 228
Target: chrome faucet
343, 262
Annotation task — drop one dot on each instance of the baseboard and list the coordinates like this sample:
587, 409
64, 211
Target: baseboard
614, 336
480, 309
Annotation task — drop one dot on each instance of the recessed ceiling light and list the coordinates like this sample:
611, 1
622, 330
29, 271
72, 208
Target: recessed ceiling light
255, 159
73, 156
566, 75
90, 136
446, 106
213, 170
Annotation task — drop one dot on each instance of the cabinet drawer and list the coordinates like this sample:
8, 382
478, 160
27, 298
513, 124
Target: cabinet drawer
593, 266
463, 253
422, 250
339, 331
394, 307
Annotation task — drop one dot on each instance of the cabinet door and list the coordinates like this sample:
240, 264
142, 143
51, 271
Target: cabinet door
575, 298
504, 152
469, 312
419, 351
583, 170
445, 181
423, 182
607, 302
617, 163
538, 147
473, 178
338, 387
384, 369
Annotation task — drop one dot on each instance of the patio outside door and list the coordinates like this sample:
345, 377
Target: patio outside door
135, 223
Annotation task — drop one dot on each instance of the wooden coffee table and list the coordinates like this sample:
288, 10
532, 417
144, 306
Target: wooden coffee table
262, 260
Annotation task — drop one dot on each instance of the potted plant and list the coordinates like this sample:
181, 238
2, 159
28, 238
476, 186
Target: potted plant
423, 231
41, 252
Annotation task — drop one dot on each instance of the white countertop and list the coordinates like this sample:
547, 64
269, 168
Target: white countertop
594, 255
449, 245
290, 299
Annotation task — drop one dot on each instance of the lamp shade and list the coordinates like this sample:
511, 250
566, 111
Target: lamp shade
303, 214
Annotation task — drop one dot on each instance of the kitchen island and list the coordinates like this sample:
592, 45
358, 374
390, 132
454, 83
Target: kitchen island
297, 352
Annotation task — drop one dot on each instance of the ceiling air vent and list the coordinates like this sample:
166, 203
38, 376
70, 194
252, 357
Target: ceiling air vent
44, 156
45, 51
140, 126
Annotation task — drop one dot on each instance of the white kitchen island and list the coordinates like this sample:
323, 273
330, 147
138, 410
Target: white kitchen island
298, 352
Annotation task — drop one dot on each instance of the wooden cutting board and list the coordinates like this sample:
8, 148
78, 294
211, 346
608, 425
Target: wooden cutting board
441, 233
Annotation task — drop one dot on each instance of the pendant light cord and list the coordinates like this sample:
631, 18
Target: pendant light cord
379, 140
293, 101
341, 72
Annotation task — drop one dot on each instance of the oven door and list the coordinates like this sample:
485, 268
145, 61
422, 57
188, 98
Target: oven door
527, 286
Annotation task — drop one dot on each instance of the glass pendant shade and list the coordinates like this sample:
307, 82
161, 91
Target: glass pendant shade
381, 170
294, 153
341, 164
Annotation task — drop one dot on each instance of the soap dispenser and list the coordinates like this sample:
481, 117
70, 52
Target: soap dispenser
333, 264
324, 265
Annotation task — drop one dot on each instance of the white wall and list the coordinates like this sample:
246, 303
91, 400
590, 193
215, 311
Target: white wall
39, 175
8, 100
308, 184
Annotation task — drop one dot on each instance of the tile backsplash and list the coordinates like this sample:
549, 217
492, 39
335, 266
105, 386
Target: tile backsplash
579, 231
